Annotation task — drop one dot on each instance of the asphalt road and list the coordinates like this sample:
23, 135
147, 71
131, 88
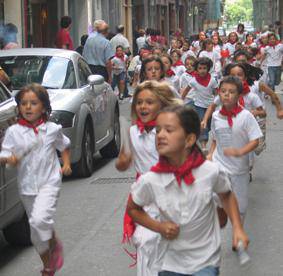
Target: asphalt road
90, 213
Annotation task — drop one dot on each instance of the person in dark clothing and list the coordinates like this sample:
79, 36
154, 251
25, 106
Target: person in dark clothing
81, 47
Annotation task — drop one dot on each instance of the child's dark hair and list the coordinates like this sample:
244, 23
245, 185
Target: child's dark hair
42, 95
189, 119
204, 61
232, 80
252, 73
148, 60
241, 52
192, 58
206, 42
65, 21
119, 46
168, 57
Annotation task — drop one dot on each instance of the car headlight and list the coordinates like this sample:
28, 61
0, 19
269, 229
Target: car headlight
64, 118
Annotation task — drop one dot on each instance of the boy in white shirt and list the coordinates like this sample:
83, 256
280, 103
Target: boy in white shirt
235, 133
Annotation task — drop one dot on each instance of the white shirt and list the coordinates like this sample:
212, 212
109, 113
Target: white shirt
119, 65
173, 81
179, 70
186, 54
145, 154
274, 55
119, 40
140, 42
215, 57
203, 95
184, 82
230, 47
192, 207
134, 62
39, 164
245, 129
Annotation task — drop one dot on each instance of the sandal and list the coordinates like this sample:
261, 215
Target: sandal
47, 271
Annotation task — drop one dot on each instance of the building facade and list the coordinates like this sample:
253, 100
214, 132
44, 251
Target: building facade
38, 20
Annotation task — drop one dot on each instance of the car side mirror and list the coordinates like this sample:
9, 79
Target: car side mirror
95, 80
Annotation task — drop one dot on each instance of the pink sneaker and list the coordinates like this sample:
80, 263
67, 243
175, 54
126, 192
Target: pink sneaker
57, 259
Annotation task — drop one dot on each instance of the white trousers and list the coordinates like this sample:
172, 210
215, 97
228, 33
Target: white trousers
40, 210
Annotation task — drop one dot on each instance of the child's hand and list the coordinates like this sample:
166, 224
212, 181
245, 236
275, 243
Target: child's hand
209, 157
232, 152
280, 114
203, 124
66, 169
169, 230
240, 235
12, 160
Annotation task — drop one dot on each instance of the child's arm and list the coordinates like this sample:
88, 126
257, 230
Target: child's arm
11, 160
66, 168
169, 230
274, 98
185, 91
124, 160
211, 108
230, 206
211, 150
260, 112
238, 152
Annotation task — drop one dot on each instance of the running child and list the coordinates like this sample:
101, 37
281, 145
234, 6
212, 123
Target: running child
236, 134
177, 66
204, 86
148, 99
119, 69
181, 185
31, 145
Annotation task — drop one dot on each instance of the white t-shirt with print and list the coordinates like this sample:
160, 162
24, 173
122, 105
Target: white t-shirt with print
245, 129
192, 207
204, 95
119, 65
274, 55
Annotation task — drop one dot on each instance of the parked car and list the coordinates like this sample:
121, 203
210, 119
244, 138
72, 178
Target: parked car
13, 220
82, 103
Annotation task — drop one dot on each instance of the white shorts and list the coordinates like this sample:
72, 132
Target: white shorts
40, 210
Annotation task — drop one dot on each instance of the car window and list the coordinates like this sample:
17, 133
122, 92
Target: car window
49, 71
84, 72
3, 94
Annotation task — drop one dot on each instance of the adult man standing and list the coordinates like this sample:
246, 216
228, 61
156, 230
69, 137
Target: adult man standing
120, 40
63, 38
98, 51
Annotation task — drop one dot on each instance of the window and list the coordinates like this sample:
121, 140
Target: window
84, 72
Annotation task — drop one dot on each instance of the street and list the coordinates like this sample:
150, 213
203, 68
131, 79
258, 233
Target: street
90, 214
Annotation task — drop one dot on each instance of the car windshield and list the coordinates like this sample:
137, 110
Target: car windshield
50, 72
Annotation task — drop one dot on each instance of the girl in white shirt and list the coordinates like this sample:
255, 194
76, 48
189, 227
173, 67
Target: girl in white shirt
235, 133
181, 185
177, 66
31, 145
148, 99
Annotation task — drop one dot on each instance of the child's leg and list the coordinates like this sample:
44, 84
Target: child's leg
203, 139
240, 188
121, 87
41, 210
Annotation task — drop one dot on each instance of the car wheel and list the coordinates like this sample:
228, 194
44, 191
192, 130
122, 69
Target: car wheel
112, 149
18, 233
84, 167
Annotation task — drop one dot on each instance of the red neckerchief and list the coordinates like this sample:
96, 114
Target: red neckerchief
178, 63
24, 122
193, 73
225, 53
273, 45
141, 125
122, 57
204, 81
246, 90
194, 160
170, 73
231, 113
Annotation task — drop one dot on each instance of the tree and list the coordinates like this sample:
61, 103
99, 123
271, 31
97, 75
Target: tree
238, 11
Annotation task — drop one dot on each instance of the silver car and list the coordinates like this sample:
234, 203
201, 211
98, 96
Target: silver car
13, 220
83, 104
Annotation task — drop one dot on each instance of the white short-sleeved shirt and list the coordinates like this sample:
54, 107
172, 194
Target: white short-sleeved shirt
256, 90
245, 129
145, 154
179, 70
204, 95
274, 55
174, 81
119, 65
230, 47
39, 164
215, 58
192, 207
184, 82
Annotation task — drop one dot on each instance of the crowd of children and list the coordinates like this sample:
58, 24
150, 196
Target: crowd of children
216, 90
211, 89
